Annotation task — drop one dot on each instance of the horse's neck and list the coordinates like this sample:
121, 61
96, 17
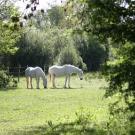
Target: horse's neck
43, 77
75, 70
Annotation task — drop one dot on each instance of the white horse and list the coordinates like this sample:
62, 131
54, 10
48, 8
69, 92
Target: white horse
66, 70
35, 72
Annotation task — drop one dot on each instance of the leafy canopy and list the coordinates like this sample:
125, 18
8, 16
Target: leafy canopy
113, 19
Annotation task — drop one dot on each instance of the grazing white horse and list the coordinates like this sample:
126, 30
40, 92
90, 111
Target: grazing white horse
66, 70
35, 72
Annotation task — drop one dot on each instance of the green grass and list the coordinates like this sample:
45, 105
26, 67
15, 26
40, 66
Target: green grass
24, 109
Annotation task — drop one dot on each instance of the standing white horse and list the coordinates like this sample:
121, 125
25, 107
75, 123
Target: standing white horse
66, 70
37, 73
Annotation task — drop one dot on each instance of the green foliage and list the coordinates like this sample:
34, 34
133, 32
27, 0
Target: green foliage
39, 47
92, 52
34, 48
7, 9
82, 125
48, 38
8, 39
120, 74
52, 18
47, 47
106, 18
113, 19
55, 15
6, 81
9, 28
118, 125
69, 55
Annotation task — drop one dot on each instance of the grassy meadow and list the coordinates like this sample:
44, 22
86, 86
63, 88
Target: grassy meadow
26, 111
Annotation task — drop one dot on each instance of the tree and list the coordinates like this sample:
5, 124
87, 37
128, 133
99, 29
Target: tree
108, 18
91, 50
70, 55
114, 19
55, 14
9, 28
34, 48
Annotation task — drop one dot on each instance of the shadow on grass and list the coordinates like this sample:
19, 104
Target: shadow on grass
72, 128
63, 88
7, 89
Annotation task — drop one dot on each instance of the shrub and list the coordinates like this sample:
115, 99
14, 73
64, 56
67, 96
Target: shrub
6, 81
69, 55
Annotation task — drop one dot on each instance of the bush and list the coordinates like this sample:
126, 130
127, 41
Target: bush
69, 55
6, 81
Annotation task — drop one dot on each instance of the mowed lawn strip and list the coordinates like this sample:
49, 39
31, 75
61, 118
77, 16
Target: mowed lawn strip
23, 108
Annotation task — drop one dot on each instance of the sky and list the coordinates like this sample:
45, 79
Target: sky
43, 4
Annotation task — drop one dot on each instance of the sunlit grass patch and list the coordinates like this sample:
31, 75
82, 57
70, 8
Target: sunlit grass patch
23, 108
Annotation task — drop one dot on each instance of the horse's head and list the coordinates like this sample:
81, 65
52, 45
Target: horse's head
80, 74
45, 83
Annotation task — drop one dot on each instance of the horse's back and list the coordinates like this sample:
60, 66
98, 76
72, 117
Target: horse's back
56, 70
34, 71
39, 71
60, 70
27, 71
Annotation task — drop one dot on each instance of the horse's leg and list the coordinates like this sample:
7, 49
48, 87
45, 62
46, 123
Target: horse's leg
65, 81
37, 79
69, 81
27, 81
31, 82
54, 81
